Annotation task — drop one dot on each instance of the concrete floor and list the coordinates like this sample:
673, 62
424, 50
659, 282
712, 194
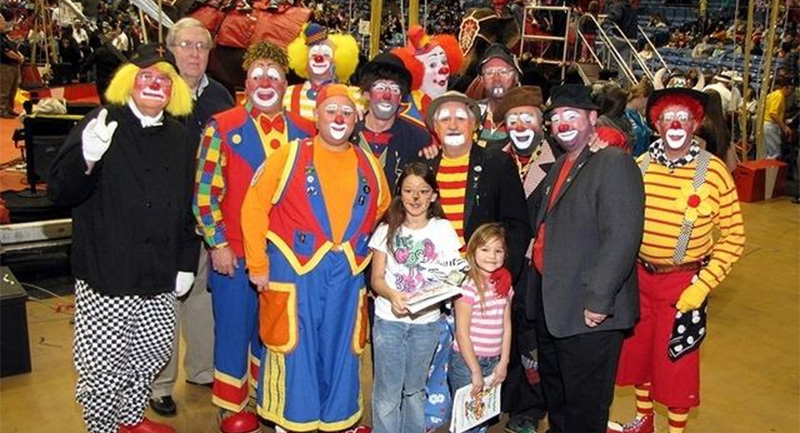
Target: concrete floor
750, 360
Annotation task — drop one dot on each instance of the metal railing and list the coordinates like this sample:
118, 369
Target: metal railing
642, 63
655, 50
611, 49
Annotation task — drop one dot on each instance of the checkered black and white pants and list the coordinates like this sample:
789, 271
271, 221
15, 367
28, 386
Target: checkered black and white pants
121, 343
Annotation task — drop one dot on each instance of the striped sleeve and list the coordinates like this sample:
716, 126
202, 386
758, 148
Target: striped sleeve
728, 248
210, 187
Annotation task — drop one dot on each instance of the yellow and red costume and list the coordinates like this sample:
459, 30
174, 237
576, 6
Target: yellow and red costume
307, 220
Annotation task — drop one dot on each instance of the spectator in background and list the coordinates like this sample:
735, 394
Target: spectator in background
587, 26
634, 110
10, 61
79, 33
714, 134
105, 59
775, 128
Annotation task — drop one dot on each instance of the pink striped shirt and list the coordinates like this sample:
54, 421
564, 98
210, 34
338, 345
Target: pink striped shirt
486, 324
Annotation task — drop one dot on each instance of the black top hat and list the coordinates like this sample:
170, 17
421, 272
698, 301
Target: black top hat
383, 63
571, 95
147, 55
499, 51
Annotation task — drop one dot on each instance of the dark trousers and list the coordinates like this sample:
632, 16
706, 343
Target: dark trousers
577, 377
520, 398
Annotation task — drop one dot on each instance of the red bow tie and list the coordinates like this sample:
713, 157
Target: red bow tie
267, 124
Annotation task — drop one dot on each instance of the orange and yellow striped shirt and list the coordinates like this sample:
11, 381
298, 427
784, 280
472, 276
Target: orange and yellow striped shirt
452, 180
669, 196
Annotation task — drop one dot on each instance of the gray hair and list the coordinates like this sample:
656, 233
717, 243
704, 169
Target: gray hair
187, 23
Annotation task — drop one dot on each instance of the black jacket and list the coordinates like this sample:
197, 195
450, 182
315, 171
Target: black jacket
132, 225
214, 99
593, 233
494, 194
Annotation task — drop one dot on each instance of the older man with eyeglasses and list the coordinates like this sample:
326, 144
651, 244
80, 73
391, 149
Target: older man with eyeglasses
190, 43
500, 73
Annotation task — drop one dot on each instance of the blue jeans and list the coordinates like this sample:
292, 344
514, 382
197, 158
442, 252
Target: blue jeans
403, 353
773, 138
460, 375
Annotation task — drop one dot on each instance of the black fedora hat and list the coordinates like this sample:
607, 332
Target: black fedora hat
385, 65
571, 95
147, 55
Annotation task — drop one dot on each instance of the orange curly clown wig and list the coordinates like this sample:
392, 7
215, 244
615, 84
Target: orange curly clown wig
420, 43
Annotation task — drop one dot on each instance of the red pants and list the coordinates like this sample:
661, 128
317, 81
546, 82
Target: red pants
644, 355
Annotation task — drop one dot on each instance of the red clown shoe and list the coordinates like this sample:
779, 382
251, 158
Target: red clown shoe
239, 422
147, 426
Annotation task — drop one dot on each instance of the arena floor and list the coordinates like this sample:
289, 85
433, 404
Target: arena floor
749, 371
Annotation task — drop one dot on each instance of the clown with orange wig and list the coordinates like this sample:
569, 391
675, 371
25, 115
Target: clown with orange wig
689, 196
431, 61
321, 58
126, 171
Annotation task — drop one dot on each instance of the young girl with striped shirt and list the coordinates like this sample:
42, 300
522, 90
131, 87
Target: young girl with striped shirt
483, 316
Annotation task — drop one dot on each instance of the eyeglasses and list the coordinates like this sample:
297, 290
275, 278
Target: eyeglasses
187, 45
495, 72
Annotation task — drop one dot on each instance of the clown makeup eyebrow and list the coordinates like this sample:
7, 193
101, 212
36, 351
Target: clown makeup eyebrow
321, 49
444, 114
347, 110
571, 115
512, 118
526, 118
273, 74
257, 73
330, 108
680, 115
461, 114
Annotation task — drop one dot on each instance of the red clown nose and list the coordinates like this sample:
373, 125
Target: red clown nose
444, 71
563, 127
675, 125
318, 58
339, 119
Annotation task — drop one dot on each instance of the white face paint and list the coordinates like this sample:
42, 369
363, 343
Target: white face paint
265, 96
444, 113
454, 140
319, 59
675, 138
461, 114
497, 91
437, 72
568, 116
338, 130
522, 139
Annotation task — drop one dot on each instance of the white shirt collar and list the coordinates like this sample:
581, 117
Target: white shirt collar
200, 87
146, 120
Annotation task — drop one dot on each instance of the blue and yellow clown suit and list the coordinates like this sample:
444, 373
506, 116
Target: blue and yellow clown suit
235, 144
317, 208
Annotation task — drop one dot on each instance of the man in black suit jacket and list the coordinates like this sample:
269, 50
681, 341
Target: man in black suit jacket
588, 222
493, 189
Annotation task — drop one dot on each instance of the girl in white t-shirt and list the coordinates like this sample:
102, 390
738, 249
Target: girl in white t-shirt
483, 316
414, 239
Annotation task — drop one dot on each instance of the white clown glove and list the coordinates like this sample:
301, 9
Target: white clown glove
183, 283
97, 137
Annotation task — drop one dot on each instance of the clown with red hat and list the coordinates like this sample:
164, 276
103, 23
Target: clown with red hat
431, 61
689, 194
321, 58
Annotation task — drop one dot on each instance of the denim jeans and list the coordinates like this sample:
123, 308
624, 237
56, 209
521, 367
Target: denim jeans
460, 376
403, 353
773, 138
